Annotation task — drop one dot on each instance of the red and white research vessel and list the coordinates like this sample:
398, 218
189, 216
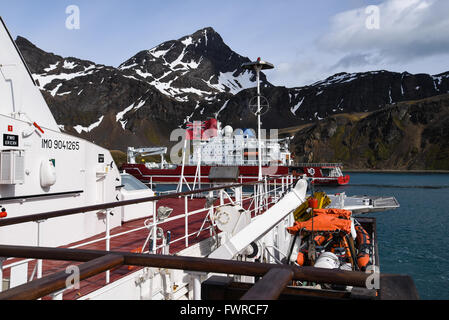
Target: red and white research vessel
216, 146
322, 173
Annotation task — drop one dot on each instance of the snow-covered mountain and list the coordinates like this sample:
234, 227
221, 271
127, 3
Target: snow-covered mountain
198, 66
193, 78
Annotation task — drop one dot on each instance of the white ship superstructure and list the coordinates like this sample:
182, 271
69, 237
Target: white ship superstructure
239, 148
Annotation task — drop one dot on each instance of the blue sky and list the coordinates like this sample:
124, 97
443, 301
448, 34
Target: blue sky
306, 40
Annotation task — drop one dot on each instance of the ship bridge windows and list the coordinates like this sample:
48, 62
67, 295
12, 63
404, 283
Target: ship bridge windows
325, 172
329, 172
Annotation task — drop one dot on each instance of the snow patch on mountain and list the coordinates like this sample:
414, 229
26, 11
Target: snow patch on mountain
221, 109
158, 53
297, 106
52, 67
55, 90
227, 82
120, 115
69, 65
45, 79
187, 42
340, 78
81, 129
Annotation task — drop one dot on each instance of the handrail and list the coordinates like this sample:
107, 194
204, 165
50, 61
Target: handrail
66, 212
275, 277
45, 195
318, 275
271, 285
181, 216
56, 281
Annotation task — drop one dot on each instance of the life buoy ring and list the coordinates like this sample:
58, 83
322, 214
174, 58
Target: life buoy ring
311, 171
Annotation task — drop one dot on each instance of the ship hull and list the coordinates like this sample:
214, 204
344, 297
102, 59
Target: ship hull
170, 176
247, 174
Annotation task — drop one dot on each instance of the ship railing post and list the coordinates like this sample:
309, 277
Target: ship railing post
167, 243
181, 182
221, 197
241, 196
2, 259
196, 281
266, 195
39, 241
282, 185
210, 214
186, 210
275, 190
199, 175
256, 206
154, 229
108, 241
238, 195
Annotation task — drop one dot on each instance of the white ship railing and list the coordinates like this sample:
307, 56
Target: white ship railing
265, 193
323, 164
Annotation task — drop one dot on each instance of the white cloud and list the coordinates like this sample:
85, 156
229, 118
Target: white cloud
413, 36
298, 72
408, 30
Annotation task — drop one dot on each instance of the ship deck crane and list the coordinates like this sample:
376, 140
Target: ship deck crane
144, 152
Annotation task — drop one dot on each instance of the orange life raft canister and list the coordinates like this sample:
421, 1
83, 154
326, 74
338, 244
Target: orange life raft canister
364, 244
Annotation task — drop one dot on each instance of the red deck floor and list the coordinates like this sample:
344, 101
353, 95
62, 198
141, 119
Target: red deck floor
130, 242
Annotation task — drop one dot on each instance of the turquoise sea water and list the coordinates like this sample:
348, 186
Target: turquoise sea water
413, 239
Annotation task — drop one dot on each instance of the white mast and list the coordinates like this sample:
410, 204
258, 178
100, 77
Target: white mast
258, 66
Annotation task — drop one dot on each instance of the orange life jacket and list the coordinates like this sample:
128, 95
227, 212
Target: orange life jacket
322, 222
344, 214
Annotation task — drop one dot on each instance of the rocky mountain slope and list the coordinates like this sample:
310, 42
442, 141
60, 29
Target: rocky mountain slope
411, 135
193, 78
341, 93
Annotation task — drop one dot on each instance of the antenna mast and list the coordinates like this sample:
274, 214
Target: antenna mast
258, 66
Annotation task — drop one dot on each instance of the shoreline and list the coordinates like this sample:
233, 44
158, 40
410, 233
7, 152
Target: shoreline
395, 171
